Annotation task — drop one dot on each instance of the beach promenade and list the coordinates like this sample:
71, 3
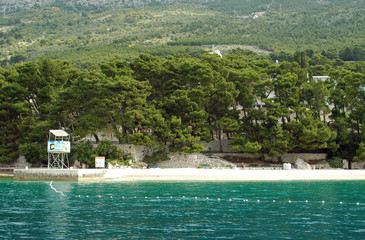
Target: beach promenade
185, 174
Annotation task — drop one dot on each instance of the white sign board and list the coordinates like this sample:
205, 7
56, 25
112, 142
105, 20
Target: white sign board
100, 162
59, 146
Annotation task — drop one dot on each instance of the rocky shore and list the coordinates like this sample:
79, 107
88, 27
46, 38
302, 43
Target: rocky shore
196, 160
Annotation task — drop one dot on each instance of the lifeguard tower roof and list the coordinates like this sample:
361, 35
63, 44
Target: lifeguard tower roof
59, 133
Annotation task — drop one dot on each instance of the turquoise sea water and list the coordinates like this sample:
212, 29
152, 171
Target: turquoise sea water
182, 210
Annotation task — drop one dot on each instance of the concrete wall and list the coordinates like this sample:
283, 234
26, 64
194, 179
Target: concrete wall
138, 152
67, 174
358, 165
46, 174
291, 157
214, 146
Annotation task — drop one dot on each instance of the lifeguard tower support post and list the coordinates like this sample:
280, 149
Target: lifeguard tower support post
59, 147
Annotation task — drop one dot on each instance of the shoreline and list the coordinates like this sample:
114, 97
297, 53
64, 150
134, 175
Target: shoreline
185, 174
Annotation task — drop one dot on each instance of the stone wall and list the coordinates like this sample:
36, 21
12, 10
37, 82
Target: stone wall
138, 152
307, 157
358, 165
214, 146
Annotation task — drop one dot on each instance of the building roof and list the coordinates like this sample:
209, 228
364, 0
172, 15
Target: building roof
59, 133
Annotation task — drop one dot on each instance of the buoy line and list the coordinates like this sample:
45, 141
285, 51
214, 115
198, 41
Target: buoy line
244, 200
50, 184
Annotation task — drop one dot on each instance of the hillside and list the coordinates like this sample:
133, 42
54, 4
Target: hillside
89, 32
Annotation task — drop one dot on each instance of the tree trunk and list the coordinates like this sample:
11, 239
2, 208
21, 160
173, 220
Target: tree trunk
210, 124
220, 140
262, 157
97, 140
324, 116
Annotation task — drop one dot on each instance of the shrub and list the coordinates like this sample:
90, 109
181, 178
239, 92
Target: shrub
112, 153
84, 153
335, 162
33, 152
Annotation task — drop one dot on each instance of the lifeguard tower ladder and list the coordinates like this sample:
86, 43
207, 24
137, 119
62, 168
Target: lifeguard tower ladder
58, 149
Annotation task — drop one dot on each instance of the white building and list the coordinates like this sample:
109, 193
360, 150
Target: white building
320, 78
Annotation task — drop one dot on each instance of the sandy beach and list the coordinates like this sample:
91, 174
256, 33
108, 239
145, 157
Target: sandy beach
237, 175
185, 174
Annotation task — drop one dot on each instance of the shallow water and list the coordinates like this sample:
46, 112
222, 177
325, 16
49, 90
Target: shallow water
183, 210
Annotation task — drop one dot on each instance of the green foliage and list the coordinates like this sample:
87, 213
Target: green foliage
310, 134
335, 162
33, 152
140, 138
12, 109
242, 145
85, 153
360, 153
112, 153
270, 108
121, 29
276, 142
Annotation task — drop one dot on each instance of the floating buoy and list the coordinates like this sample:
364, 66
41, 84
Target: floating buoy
208, 198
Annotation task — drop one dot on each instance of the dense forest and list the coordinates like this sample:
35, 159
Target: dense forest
266, 107
143, 70
85, 33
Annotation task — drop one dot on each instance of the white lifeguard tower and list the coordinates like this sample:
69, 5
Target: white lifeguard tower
59, 147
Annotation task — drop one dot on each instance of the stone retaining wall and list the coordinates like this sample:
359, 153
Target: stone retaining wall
308, 157
214, 146
358, 165
139, 152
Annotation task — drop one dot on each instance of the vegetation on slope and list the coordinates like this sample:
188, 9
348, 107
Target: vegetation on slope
85, 34
180, 100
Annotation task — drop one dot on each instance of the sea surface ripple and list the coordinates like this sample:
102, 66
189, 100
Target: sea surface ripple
182, 210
